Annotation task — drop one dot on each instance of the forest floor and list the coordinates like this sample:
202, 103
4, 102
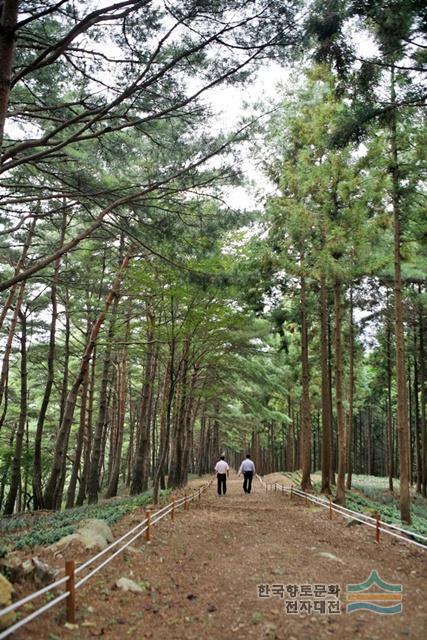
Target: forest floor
201, 574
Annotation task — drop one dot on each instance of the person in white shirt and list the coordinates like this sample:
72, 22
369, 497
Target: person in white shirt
248, 469
222, 471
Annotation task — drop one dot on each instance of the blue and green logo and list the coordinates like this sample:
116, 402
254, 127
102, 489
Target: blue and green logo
375, 595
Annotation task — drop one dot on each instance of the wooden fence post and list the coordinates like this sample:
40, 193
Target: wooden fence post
377, 528
70, 586
173, 508
148, 530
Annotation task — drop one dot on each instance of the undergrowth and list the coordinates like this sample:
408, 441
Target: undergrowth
49, 528
372, 496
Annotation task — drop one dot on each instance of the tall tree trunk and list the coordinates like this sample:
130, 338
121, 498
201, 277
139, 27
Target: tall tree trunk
132, 427
154, 424
7, 463
326, 399
305, 399
390, 465
139, 472
37, 468
411, 421
165, 421
66, 372
8, 21
4, 375
166, 409
113, 422
370, 447
71, 492
175, 478
423, 423
340, 494
290, 435
53, 490
333, 428
11, 295
178, 435
350, 397
27, 498
190, 414
202, 442
402, 401
150, 419
15, 480
87, 440
122, 388
418, 445
215, 439
93, 478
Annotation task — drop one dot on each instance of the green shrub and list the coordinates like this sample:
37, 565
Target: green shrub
385, 504
47, 529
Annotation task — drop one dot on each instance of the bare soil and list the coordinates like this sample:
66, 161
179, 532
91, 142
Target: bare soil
201, 572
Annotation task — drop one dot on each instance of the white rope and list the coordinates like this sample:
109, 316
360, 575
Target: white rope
32, 596
366, 519
31, 616
396, 535
110, 546
107, 560
412, 533
143, 526
116, 542
380, 528
155, 518
360, 517
345, 509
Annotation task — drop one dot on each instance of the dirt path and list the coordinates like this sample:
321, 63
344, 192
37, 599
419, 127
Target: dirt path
201, 575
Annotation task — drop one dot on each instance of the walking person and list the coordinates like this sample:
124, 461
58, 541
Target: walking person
248, 469
222, 471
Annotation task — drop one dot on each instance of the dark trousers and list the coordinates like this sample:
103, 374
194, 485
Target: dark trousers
247, 482
222, 482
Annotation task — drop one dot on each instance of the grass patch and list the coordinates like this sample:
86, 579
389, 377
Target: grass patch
294, 476
389, 512
371, 494
376, 489
369, 497
50, 528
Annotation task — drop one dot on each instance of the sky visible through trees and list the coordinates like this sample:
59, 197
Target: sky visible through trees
212, 239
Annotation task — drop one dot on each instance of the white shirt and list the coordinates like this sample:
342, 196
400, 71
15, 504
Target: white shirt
221, 466
247, 465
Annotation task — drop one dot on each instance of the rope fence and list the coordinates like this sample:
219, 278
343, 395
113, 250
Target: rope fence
376, 523
69, 579
145, 526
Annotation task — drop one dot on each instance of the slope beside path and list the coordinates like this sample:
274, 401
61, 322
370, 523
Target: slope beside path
201, 575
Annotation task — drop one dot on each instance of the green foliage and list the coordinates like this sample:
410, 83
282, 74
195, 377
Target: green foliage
390, 514
48, 529
373, 496
376, 489
294, 476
